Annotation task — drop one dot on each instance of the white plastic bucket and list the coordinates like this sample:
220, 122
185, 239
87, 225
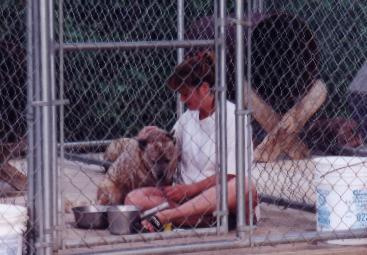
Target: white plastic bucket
13, 222
341, 194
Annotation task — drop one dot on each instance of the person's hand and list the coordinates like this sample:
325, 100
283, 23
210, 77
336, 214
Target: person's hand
153, 224
148, 226
178, 192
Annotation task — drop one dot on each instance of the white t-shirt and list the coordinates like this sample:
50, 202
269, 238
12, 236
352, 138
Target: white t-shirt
196, 139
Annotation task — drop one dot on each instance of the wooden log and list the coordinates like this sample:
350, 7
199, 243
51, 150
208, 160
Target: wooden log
12, 150
8, 173
268, 119
282, 137
13, 176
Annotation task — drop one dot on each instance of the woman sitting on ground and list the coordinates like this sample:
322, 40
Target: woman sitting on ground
193, 197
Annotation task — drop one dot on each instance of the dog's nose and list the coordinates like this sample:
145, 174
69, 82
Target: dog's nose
160, 176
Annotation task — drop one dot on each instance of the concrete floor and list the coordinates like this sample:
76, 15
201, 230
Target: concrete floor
79, 188
288, 179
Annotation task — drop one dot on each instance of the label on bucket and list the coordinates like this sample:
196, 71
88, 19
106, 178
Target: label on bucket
10, 245
341, 208
360, 207
323, 212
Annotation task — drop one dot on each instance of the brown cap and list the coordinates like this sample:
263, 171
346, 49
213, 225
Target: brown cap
193, 71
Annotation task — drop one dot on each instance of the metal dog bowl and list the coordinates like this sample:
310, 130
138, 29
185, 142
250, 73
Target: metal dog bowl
124, 219
91, 217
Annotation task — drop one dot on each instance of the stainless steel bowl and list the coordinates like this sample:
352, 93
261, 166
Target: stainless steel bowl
91, 217
123, 219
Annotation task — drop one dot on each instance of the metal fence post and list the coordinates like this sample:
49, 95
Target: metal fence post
47, 122
30, 132
38, 223
247, 116
60, 169
180, 51
53, 172
221, 113
240, 164
258, 6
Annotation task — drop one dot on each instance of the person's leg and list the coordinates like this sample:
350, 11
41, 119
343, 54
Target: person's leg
203, 204
232, 198
145, 198
149, 197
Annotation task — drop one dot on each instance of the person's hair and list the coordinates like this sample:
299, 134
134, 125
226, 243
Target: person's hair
193, 71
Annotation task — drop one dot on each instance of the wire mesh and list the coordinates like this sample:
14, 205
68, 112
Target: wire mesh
296, 46
330, 28
115, 93
13, 129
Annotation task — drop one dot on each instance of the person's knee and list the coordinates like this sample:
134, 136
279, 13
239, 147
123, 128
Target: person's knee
132, 197
232, 198
142, 196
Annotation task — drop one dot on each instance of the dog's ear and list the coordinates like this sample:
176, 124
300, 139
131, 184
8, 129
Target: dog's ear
142, 143
171, 135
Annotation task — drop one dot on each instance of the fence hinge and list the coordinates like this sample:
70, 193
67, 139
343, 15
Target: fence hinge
43, 245
220, 213
243, 112
59, 228
242, 22
51, 103
220, 89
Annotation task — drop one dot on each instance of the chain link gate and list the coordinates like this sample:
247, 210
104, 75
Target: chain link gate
124, 88
111, 64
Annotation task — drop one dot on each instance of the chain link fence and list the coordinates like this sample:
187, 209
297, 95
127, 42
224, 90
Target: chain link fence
13, 87
335, 53
13, 129
306, 69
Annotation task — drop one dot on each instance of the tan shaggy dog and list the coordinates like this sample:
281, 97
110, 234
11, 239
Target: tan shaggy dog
149, 159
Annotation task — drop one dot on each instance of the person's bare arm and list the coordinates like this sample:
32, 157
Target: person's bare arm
180, 191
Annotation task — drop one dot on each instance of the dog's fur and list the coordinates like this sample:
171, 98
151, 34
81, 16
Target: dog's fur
150, 159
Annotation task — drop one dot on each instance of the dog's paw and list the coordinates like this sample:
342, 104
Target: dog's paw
70, 204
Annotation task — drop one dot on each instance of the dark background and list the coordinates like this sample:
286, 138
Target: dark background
114, 93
